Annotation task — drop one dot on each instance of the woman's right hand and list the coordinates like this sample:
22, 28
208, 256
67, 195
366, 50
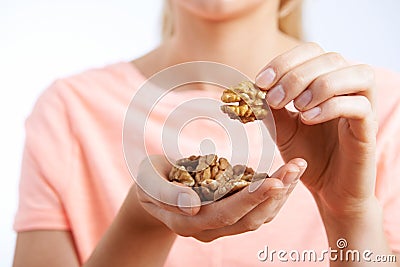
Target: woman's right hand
179, 207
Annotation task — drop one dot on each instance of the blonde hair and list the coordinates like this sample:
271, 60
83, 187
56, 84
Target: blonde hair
290, 19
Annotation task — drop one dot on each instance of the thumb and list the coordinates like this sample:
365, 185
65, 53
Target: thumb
281, 124
155, 187
286, 176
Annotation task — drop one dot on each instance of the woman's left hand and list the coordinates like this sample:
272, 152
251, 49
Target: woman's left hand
334, 129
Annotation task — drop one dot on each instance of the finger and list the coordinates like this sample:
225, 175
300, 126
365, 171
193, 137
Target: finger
294, 173
261, 214
187, 225
302, 166
295, 81
267, 210
250, 222
181, 224
355, 108
348, 80
155, 188
279, 66
283, 125
287, 173
229, 210
285, 121
290, 179
209, 219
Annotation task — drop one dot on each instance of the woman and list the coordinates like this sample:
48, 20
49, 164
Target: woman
75, 208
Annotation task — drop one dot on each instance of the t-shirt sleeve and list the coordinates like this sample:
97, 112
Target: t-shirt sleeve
45, 164
389, 168
388, 180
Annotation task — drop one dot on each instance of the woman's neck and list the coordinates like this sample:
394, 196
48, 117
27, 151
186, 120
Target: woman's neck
246, 42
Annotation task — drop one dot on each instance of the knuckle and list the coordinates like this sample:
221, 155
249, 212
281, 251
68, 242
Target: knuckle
205, 238
268, 219
323, 83
222, 219
365, 103
182, 228
314, 47
367, 73
333, 104
335, 58
332, 108
364, 100
252, 225
255, 198
228, 220
182, 231
143, 197
281, 64
176, 227
294, 78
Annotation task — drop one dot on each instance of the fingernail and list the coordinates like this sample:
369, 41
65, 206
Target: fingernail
303, 100
290, 177
302, 163
275, 95
185, 202
312, 113
265, 78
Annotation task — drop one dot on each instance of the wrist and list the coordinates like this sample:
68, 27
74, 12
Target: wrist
358, 228
352, 222
138, 219
133, 237
348, 210
360, 224
358, 217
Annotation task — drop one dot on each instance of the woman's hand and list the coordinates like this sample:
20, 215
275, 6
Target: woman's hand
334, 129
178, 207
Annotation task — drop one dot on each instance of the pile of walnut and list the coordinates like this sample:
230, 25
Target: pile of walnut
212, 178
246, 102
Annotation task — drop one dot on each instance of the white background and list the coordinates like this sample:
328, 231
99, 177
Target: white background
43, 40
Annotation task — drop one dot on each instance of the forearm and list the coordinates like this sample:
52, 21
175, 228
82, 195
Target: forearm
363, 233
134, 238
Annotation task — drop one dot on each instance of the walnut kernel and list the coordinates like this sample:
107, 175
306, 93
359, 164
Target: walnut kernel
210, 177
246, 102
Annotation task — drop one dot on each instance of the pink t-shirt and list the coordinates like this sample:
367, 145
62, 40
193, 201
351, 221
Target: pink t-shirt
74, 176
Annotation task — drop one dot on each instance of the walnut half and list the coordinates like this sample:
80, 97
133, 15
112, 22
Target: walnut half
246, 103
212, 178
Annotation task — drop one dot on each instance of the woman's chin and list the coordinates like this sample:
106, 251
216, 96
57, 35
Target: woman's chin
220, 10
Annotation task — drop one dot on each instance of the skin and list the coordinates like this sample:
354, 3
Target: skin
338, 145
